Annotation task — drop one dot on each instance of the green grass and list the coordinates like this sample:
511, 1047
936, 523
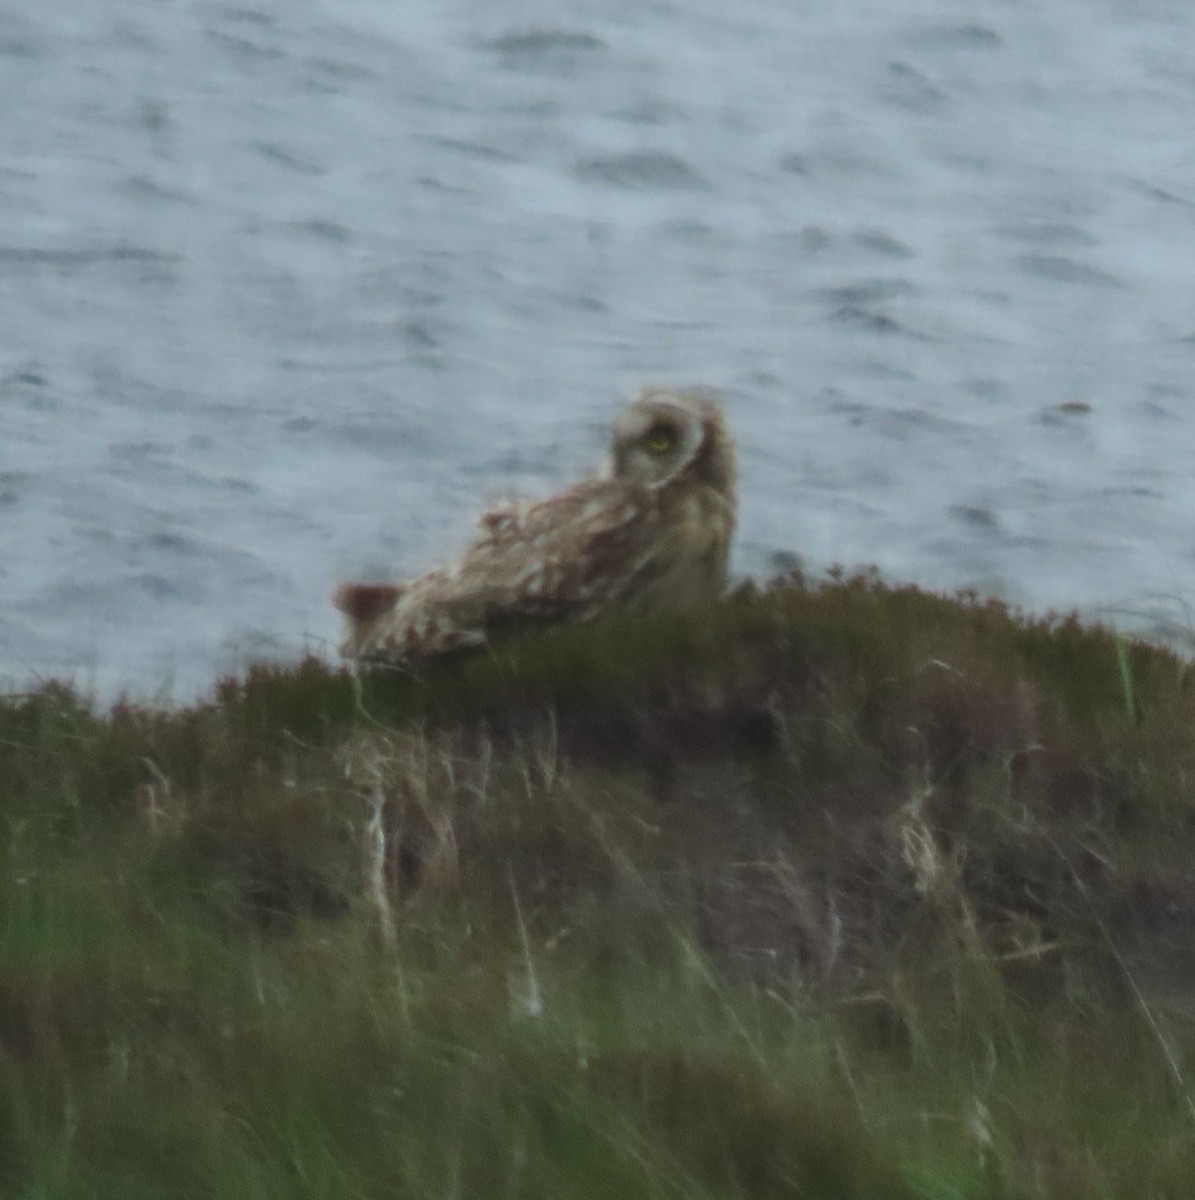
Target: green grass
842, 892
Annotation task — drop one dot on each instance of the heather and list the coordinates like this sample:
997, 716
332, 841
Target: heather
844, 890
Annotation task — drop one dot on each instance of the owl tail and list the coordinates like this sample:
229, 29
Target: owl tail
365, 601
363, 604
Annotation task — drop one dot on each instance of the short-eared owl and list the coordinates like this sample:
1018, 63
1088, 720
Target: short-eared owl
651, 533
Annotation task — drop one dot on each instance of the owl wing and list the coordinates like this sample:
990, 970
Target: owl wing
560, 559
564, 558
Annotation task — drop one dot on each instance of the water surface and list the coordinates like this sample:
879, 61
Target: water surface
288, 290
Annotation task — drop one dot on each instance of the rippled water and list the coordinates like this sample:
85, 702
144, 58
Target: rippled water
288, 289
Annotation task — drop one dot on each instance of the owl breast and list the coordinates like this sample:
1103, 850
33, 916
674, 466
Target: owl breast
685, 563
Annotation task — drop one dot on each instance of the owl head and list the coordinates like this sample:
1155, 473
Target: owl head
665, 434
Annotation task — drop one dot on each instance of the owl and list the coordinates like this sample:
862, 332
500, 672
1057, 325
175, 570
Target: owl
648, 534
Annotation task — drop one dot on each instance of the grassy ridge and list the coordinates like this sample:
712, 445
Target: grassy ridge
847, 891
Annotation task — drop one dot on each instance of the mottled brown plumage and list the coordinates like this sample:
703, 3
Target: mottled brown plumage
650, 534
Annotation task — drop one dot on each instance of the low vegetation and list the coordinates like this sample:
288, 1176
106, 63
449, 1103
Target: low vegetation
847, 892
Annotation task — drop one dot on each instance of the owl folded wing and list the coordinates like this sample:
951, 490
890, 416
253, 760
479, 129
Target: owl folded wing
565, 558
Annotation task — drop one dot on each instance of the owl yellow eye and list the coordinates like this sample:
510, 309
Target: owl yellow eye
660, 440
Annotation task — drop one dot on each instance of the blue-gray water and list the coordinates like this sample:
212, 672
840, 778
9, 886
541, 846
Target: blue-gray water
288, 289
